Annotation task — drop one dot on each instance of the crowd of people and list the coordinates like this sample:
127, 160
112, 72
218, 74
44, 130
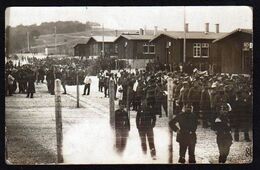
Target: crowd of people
216, 100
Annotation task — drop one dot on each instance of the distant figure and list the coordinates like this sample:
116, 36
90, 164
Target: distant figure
186, 134
64, 80
31, 77
122, 128
10, 82
145, 122
87, 82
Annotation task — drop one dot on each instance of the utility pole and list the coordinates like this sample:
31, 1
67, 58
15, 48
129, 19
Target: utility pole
170, 114
103, 44
112, 103
55, 39
184, 40
28, 41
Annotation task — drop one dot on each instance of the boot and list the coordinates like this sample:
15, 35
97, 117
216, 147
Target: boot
181, 160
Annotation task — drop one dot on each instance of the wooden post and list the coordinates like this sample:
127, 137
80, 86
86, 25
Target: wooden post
170, 114
59, 134
6, 152
128, 102
112, 103
77, 81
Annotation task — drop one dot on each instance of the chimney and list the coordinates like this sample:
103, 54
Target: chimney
217, 28
186, 27
165, 29
116, 32
141, 32
155, 30
144, 30
206, 27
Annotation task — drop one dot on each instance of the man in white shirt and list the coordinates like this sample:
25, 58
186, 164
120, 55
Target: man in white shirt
87, 82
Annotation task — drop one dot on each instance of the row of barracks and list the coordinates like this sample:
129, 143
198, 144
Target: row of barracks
230, 52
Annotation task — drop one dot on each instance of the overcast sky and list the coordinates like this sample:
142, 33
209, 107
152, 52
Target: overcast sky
229, 18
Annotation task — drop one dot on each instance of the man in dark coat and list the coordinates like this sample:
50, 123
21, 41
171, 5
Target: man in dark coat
194, 96
30, 83
64, 77
122, 128
186, 134
205, 106
222, 127
145, 122
50, 81
241, 115
41, 74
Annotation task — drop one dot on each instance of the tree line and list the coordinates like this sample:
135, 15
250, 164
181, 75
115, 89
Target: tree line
16, 37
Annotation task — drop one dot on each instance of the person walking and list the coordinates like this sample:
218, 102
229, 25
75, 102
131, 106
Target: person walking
145, 122
186, 134
224, 138
64, 76
31, 77
87, 82
122, 128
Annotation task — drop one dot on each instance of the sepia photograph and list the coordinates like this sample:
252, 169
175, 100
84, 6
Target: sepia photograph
128, 85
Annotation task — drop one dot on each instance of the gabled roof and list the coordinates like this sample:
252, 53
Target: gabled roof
79, 44
136, 37
106, 38
249, 31
191, 35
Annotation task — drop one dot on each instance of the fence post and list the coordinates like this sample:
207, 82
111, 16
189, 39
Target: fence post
170, 114
58, 116
128, 101
77, 81
6, 151
112, 103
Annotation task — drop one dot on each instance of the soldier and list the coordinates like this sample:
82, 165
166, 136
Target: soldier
186, 134
64, 80
50, 81
205, 106
106, 86
241, 115
145, 122
31, 77
10, 82
41, 75
100, 81
122, 128
194, 96
87, 82
183, 97
222, 127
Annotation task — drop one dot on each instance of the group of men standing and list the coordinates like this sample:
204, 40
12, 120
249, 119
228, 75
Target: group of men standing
215, 101
24, 76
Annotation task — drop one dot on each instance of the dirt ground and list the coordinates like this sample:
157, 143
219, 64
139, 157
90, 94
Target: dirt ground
31, 133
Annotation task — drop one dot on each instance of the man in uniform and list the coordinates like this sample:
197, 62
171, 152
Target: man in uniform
122, 128
222, 127
145, 122
64, 80
186, 134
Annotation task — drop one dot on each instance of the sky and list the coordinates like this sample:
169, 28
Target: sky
172, 18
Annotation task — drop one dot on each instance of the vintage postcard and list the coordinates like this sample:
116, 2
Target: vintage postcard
129, 85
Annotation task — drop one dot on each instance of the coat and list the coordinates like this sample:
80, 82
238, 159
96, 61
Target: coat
30, 82
188, 126
122, 122
145, 119
223, 130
